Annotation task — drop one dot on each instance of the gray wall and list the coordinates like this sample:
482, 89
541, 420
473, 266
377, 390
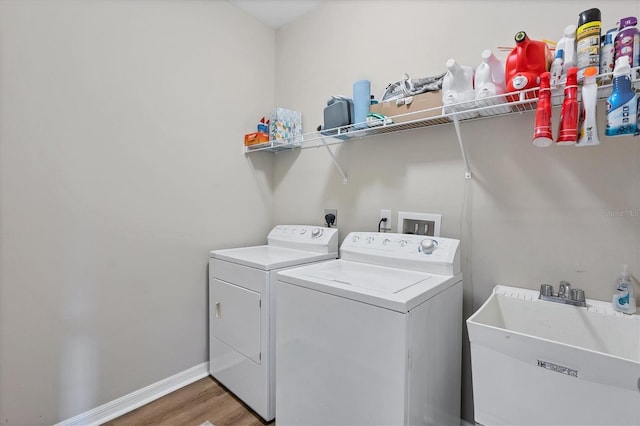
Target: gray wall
528, 216
121, 166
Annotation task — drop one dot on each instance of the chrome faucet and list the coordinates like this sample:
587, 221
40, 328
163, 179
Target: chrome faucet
566, 294
565, 289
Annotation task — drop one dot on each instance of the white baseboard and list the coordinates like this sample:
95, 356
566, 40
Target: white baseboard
123, 405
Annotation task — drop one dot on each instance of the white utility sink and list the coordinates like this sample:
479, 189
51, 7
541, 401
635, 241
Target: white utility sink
539, 362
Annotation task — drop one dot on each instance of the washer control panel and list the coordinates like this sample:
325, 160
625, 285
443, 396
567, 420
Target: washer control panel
305, 237
438, 255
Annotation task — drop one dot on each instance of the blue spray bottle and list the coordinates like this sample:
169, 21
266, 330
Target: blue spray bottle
622, 105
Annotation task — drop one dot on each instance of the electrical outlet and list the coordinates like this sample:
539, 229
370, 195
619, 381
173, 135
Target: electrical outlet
387, 214
333, 212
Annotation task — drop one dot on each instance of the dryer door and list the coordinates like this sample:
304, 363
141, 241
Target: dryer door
236, 318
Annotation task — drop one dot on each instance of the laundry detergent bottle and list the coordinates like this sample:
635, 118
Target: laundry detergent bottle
457, 90
627, 39
622, 105
525, 63
489, 83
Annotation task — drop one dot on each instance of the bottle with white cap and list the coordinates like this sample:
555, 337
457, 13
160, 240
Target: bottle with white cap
569, 47
489, 83
457, 90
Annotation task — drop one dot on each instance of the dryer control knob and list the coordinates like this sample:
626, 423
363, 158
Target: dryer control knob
316, 233
386, 241
370, 239
355, 238
403, 243
427, 246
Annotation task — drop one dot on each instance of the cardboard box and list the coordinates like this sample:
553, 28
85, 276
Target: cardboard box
255, 138
285, 126
430, 101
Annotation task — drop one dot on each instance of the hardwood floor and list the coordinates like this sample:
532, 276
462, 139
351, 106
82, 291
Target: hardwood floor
201, 401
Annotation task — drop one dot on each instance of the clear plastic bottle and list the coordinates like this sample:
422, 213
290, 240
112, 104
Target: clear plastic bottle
457, 90
623, 298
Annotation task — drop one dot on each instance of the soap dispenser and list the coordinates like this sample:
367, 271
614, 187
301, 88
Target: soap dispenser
623, 299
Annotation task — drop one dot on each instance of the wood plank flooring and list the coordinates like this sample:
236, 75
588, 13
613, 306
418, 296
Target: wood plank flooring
201, 401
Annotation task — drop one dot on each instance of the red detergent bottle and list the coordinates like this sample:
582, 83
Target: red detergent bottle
525, 63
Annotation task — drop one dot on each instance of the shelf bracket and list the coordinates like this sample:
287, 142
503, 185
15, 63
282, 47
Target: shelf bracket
335, 162
456, 125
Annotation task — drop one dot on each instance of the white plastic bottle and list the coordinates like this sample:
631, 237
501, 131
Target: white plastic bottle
623, 300
557, 76
457, 90
588, 130
570, 53
489, 84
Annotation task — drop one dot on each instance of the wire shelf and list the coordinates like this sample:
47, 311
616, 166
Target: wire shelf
478, 109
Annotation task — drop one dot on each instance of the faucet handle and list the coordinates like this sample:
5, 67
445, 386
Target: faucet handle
546, 290
577, 295
565, 289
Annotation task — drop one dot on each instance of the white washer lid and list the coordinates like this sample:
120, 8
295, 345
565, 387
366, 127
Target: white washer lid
269, 257
391, 288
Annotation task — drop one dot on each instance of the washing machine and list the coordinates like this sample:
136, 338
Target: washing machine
241, 308
372, 338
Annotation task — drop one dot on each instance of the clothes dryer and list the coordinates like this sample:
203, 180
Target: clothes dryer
373, 337
241, 308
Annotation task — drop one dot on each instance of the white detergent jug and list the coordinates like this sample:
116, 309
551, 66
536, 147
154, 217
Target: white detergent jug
457, 90
489, 84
